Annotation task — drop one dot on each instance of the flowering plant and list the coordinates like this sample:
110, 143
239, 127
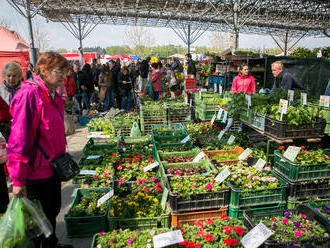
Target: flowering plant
201, 128
102, 179
325, 210
186, 171
151, 186
305, 157
135, 205
294, 228
196, 184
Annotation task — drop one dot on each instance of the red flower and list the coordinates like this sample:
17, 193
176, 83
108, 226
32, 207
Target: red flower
302, 147
281, 147
227, 230
224, 217
209, 238
150, 159
273, 219
158, 184
230, 242
113, 154
152, 179
209, 221
239, 230
198, 245
119, 168
198, 223
182, 230
190, 244
184, 242
127, 159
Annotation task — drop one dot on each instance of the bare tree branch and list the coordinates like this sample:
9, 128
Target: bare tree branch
138, 37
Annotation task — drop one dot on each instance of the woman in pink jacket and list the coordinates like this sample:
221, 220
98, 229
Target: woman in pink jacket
37, 130
156, 79
244, 82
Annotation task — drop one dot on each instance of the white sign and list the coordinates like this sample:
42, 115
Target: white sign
219, 114
151, 166
164, 198
245, 154
325, 101
260, 164
291, 153
231, 140
203, 90
190, 102
105, 198
87, 172
221, 134
225, 117
93, 157
291, 95
119, 133
185, 139
186, 100
215, 88
222, 175
303, 98
248, 100
199, 157
167, 239
283, 106
98, 135
213, 119
257, 236
220, 89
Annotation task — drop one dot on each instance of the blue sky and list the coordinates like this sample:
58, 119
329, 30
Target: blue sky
110, 35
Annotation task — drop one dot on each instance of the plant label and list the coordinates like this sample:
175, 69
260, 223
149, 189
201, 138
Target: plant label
231, 140
119, 133
190, 102
325, 101
222, 175
260, 164
164, 198
151, 166
257, 236
303, 98
213, 119
186, 100
200, 95
215, 88
224, 119
245, 154
219, 114
93, 157
248, 100
199, 157
105, 198
220, 89
97, 135
185, 139
203, 90
167, 239
291, 153
283, 106
290, 95
87, 172
221, 134
205, 174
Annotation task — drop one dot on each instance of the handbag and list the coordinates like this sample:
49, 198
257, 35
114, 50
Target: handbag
5, 129
65, 168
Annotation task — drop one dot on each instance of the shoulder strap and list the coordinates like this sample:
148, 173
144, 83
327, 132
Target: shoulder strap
36, 143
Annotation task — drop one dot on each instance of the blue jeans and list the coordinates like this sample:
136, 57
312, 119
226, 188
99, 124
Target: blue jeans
156, 95
143, 83
126, 101
109, 97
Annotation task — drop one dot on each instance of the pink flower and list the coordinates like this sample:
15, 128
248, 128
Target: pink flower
209, 186
101, 233
152, 179
193, 185
115, 230
303, 216
285, 221
267, 168
108, 181
111, 240
134, 238
249, 174
129, 241
85, 186
106, 175
177, 172
121, 181
234, 176
297, 234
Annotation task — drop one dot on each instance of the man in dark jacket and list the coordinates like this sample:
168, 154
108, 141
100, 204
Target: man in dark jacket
144, 71
283, 78
81, 88
191, 65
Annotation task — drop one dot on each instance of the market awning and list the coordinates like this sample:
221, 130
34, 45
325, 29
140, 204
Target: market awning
119, 56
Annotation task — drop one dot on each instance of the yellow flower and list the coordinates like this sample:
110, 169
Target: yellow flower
112, 212
155, 200
153, 60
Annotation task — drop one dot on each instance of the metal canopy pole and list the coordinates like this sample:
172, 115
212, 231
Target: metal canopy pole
29, 19
188, 38
79, 34
286, 43
236, 25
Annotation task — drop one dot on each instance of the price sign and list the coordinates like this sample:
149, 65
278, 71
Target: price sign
303, 98
291, 95
222, 175
190, 101
199, 157
260, 164
105, 198
283, 107
203, 90
257, 236
220, 89
291, 153
224, 119
248, 100
200, 95
221, 134
215, 88
87, 172
185, 139
186, 100
245, 154
231, 140
325, 101
93, 157
219, 114
167, 239
213, 119
97, 135
164, 198
151, 166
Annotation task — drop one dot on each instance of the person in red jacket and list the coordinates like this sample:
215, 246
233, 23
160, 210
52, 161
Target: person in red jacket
244, 81
69, 84
5, 118
156, 79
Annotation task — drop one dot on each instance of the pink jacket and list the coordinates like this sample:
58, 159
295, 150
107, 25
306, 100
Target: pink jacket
36, 117
244, 84
156, 78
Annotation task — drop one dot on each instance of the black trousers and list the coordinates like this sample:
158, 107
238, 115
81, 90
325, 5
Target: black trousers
49, 195
4, 198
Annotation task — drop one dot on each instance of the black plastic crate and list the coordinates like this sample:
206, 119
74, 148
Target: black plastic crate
283, 130
179, 114
252, 219
197, 202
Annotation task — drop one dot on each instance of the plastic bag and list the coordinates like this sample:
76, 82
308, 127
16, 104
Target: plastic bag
23, 221
135, 130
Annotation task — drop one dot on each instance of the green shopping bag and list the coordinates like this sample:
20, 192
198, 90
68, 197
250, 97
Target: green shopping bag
135, 130
22, 222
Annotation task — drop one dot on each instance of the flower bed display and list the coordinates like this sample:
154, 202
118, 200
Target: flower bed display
223, 157
201, 128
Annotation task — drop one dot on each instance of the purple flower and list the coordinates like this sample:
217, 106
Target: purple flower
280, 240
283, 230
287, 214
296, 224
327, 208
274, 224
152, 232
318, 210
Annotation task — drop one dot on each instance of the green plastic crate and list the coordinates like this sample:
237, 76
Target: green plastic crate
96, 144
258, 121
296, 172
291, 204
157, 140
86, 226
319, 204
238, 213
253, 198
192, 153
246, 115
205, 115
134, 140
166, 130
